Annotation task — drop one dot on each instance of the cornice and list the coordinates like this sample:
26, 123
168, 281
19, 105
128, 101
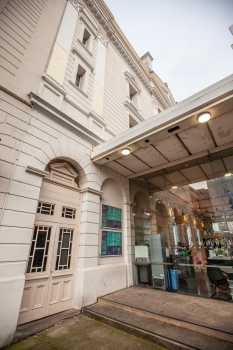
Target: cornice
76, 127
16, 96
35, 171
160, 98
54, 84
92, 191
79, 54
98, 118
106, 19
134, 110
117, 37
77, 4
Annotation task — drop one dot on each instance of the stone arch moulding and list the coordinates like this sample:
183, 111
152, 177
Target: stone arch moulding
122, 185
113, 191
80, 162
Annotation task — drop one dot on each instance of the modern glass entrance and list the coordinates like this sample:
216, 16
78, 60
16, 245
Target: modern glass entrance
184, 239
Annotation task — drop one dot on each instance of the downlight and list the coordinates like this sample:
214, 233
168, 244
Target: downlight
204, 117
125, 152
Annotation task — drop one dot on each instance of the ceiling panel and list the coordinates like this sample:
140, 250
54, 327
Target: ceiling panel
160, 181
176, 178
197, 139
214, 168
150, 156
194, 174
172, 148
119, 168
229, 163
133, 163
222, 128
225, 107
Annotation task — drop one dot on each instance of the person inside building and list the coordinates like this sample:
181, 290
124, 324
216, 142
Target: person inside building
219, 282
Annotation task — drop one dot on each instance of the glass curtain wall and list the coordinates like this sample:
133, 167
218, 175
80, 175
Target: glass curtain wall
189, 234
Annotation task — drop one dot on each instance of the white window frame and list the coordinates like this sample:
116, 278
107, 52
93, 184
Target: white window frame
82, 73
134, 98
132, 121
58, 253
66, 209
88, 43
40, 205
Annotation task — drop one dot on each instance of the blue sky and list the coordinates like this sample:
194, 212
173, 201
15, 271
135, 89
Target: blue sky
189, 39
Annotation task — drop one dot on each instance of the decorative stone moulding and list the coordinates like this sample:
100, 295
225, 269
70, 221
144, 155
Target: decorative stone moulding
77, 4
54, 84
131, 79
106, 19
101, 15
35, 171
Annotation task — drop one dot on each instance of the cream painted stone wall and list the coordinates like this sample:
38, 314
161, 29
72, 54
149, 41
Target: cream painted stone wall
31, 138
116, 93
44, 116
44, 58
59, 58
27, 33
106, 91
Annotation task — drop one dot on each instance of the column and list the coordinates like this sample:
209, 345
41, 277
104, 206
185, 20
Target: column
86, 277
98, 95
128, 244
20, 192
63, 44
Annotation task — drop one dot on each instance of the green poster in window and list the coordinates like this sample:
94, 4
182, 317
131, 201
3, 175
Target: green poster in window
111, 217
111, 243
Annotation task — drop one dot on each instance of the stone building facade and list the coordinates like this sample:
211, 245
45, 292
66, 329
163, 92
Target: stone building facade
69, 80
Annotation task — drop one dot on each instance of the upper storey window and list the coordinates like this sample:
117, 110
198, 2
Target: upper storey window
132, 94
86, 40
132, 122
80, 77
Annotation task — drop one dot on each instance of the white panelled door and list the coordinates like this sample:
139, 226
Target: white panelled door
49, 276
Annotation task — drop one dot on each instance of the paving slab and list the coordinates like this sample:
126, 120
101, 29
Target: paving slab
84, 333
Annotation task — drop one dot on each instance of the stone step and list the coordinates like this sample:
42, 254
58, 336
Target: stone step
173, 334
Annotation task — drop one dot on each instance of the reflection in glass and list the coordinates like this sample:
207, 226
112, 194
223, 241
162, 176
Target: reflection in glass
190, 238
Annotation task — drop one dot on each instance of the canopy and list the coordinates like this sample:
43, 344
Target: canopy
172, 147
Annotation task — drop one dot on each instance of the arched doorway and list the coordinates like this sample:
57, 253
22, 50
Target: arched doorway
50, 268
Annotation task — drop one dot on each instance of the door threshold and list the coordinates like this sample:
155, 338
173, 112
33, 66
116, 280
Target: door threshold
31, 328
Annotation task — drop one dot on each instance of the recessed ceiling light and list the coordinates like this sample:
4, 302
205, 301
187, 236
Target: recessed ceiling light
125, 152
174, 187
204, 117
228, 174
